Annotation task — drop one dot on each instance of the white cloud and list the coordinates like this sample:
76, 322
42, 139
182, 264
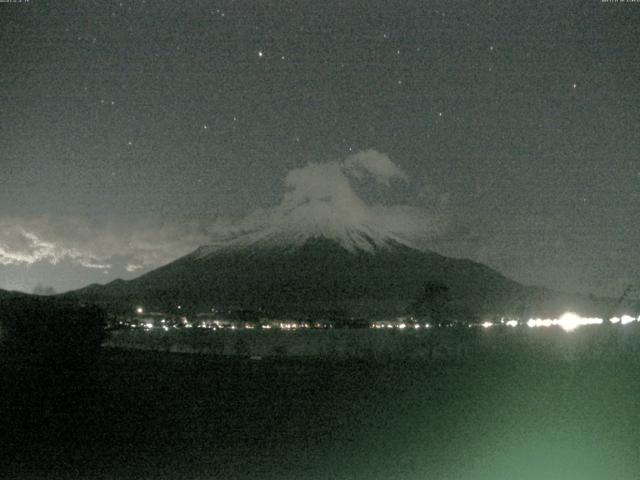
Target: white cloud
319, 196
374, 164
94, 245
22, 246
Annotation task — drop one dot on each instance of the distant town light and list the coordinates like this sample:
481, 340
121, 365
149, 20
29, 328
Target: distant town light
625, 319
568, 321
487, 324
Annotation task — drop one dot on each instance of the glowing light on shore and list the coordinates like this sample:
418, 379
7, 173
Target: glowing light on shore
487, 324
615, 320
568, 322
626, 319
512, 323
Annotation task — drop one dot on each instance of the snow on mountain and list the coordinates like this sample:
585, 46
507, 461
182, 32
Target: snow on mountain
311, 220
320, 201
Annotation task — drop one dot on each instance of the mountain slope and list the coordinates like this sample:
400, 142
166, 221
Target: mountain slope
317, 275
328, 252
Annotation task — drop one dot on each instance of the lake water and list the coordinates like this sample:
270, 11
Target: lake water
518, 413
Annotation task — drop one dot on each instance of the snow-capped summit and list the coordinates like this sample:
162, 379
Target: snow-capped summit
312, 219
320, 203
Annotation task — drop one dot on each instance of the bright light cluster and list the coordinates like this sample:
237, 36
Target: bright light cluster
293, 325
624, 319
627, 319
398, 325
568, 322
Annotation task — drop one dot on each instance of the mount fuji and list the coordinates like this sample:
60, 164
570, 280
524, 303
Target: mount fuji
317, 272
324, 251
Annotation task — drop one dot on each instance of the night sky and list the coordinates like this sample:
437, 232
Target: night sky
132, 132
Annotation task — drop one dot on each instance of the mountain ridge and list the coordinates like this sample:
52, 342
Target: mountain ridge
351, 239
320, 276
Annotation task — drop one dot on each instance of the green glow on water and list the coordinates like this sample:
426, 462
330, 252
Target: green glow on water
532, 420
525, 411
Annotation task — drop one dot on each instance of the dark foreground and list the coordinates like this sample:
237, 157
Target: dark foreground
136, 415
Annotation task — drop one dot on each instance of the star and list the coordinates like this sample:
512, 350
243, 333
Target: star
260, 53
575, 85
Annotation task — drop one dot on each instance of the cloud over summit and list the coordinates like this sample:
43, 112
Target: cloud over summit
323, 198
317, 198
375, 165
